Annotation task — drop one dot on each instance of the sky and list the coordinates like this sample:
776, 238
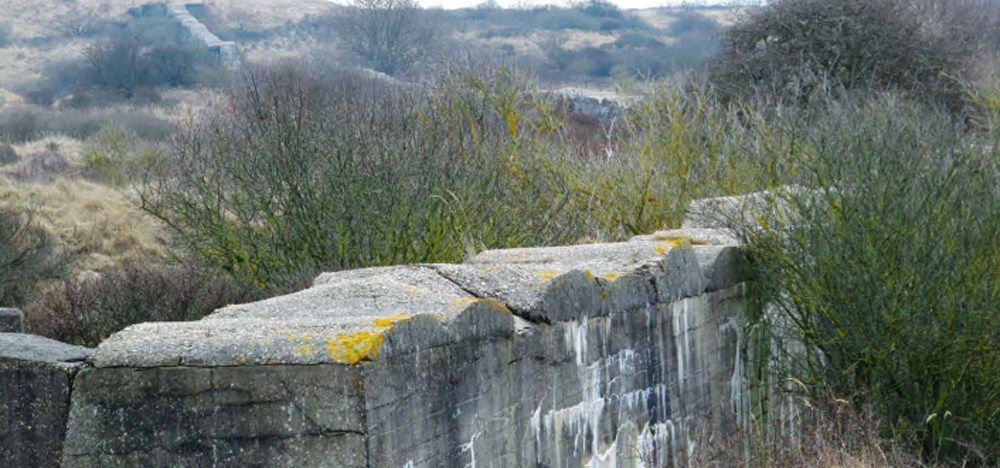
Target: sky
451, 4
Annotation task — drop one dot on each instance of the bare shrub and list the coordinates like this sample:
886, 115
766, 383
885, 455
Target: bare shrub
8, 155
21, 124
27, 256
87, 310
408, 187
79, 21
46, 165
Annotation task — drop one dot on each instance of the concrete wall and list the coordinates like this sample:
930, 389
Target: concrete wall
227, 52
603, 355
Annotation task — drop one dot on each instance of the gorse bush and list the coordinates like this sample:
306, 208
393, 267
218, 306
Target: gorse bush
886, 269
792, 48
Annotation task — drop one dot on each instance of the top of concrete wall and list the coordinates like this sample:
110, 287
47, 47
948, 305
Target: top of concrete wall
20, 347
354, 316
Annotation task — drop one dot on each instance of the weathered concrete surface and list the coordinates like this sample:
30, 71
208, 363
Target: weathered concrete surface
11, 321
629, 389
597, 355
276, 416
36, 377
339, 320
273, 382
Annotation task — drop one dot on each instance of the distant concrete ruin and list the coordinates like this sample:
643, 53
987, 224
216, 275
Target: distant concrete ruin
226, 51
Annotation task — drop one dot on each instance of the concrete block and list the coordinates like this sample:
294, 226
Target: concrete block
36, 378
276, 416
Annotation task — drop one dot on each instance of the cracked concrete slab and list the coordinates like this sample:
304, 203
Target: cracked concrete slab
342, 319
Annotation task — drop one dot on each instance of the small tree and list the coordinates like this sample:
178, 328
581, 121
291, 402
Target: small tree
391, 35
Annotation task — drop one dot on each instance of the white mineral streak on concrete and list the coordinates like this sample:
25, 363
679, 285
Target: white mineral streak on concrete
470, 448
576, 339
536, 428
606, 459
680, 333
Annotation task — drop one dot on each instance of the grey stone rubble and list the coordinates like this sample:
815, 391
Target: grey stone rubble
595, 355
227, 52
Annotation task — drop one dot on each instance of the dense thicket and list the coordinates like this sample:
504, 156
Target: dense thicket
793, 48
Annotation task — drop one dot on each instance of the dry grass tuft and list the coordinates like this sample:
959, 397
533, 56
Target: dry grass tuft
99, 227
836, 436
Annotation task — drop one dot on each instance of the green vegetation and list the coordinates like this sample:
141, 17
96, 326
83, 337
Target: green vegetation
881, 277
117, 155
874, 256
300, 175
305, 175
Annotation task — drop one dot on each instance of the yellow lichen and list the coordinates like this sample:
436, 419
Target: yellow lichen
612, 276
661, 248
352, 348
388, 322
495, 304
677, 238
549, 274
355, 347
462, 302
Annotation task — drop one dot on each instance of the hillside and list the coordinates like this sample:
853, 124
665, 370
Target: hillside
564, 45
